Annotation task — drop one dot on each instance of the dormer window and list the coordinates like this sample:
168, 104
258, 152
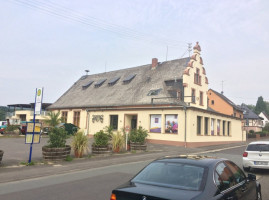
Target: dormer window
197, 77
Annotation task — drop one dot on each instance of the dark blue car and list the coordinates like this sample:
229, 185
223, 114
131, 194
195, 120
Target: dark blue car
190, 178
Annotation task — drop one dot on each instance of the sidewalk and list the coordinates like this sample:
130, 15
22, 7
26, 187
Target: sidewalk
15, 172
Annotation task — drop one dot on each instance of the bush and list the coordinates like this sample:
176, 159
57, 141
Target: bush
57, 137
117, 141
251, 132
251, 135
262, 133
12, 127
80, 142
101, 139
138, 135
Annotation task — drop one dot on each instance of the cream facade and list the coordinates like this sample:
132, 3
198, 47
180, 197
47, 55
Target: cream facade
169, 99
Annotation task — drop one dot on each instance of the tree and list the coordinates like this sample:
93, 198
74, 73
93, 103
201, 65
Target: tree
3, 111
260, 106
251, 107
53, 119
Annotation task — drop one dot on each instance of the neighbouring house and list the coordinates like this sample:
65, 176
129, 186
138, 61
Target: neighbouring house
265, 118
18, 113
251, 120
220, 103
169, 99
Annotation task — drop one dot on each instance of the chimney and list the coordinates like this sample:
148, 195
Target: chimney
154, 63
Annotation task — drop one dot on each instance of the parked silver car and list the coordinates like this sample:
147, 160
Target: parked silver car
256, 155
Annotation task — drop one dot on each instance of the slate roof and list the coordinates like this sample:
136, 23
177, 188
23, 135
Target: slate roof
134, 92
249, 114
228, 100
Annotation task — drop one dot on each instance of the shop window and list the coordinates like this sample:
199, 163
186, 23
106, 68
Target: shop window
223, 127
171, 124
218, 127
206, 125
64, 116
229, 128
212, 126
199, 121
155, 123
76, 118
114, 121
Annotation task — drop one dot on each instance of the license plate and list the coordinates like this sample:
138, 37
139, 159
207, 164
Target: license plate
260, 163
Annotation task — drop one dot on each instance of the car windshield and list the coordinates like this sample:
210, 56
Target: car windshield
175, 175
258, 147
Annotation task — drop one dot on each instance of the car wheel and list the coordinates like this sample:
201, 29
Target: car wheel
259, 195
246, 169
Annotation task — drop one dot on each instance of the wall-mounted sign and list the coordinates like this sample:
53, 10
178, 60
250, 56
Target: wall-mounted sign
97, 118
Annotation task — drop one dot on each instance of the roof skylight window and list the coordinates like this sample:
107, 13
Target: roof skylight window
129, 78
99, 83
87, 85
154, 92
113, 81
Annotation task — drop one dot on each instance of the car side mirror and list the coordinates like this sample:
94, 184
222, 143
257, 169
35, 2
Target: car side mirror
251, 177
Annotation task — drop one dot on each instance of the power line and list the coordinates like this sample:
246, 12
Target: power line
71, 15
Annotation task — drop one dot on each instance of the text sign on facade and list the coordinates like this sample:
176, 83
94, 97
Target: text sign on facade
38, 100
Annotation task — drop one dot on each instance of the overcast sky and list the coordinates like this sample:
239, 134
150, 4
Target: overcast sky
50, 44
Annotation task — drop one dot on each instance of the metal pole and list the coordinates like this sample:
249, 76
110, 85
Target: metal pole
185, 133
33, 134
31, 145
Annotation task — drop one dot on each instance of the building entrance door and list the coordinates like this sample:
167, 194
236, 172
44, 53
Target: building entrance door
131, 121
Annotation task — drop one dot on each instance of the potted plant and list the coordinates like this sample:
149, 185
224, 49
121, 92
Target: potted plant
1, 155
56, 148
138, 139
101, 143
79, 144
117, 142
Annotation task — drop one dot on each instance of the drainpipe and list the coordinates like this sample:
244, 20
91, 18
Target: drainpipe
185, 133
88, 123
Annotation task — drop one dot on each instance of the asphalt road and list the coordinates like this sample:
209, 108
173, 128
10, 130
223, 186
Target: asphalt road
97, 183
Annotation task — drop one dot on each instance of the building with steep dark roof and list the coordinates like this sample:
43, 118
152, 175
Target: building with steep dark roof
169, 99
251, 120
220, 103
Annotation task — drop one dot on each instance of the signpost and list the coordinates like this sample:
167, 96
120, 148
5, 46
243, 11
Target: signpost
127, 129
32, 135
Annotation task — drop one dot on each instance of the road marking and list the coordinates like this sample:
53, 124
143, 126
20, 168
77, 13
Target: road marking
216, 150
